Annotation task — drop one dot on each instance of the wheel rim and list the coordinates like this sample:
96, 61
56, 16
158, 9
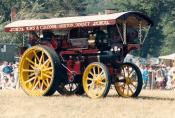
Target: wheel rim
95, 81
36, 71
127, 81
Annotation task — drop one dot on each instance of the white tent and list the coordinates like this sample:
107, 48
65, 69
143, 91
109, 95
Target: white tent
168, 57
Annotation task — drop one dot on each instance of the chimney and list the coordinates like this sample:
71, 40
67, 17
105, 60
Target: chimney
110, 11
13, 14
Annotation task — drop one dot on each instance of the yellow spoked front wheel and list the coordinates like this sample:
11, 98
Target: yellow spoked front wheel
37, 71
129, 80
96, 80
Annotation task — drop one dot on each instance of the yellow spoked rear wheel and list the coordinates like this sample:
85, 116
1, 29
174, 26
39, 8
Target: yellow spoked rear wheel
129, 81
96, 80
37, 71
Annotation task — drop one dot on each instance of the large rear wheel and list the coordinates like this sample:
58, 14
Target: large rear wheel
39, 70
128, 83
96, 80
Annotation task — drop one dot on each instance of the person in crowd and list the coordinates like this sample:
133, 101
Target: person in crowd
7, 75
1, 69
6, 83
173, 80
101, 38
150, 70
6, 71
1, 74
145, 76
33, 38
49, 39
16, 80
169, 78
159, 79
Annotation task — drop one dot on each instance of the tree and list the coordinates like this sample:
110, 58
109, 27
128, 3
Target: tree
34, 9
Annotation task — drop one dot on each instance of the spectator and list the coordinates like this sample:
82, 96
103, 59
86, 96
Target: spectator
49, 39
159, 79
33, 38
6, 75
1, 69
145, 76
6, 83
169, 78
173, 80
16, 80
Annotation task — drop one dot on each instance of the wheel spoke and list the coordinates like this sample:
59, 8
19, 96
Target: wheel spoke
36, 56
134, 85
42, 84
27, 70
130, 72
35, 62
39, 84
103, 77
31, 74
33, 67
130, 89
123, 88
49, 72
47, 80
133, 75
30, 61
91, 74
45, 62
41, 58
91, 84
127, 71
46, 84
94, 71
89, 79
29, 80
46, 75
123, 72
46, 69
98, 69
102, 73
134, 80
102, 83
35, 85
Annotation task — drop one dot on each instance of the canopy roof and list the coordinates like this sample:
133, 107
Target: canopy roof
79, 21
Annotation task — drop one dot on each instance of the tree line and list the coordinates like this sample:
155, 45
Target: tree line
160, 40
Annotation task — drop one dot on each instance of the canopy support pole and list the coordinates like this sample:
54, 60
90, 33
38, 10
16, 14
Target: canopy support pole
119, 32
146, 33
124, 32
140, 32
23, 40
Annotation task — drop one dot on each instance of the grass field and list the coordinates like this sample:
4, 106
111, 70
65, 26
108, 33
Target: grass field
150, 104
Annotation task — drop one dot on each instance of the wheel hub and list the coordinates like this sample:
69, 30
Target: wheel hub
128, 80
37, 71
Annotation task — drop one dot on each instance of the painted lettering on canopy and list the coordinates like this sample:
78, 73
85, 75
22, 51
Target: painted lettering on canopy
60, 26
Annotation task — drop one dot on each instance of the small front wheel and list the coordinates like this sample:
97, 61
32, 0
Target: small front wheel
96, 80
129, 80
